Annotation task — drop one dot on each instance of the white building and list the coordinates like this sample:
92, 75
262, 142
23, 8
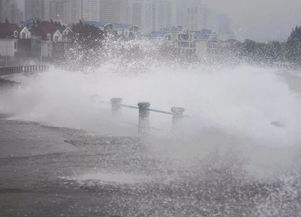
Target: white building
25, 33
46, 49
8, 47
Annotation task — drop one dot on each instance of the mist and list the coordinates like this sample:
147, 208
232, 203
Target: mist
243, 101
67, 150
261, 20
257, 20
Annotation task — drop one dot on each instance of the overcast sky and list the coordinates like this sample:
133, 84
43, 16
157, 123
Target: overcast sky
263, 20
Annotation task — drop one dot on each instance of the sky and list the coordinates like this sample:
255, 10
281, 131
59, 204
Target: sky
261, 20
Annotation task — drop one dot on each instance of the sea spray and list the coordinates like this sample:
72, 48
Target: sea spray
238, 141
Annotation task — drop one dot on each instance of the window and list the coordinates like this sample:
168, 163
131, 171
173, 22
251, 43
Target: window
23, 36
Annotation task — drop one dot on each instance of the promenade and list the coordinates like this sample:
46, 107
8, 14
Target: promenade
53, 171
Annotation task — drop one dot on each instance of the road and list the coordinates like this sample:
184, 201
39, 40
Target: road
47, 171
51, 171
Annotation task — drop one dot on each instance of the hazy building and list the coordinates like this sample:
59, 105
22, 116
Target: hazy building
179, 12
73, 11
90, 10
212, 22
68, 11
162, 14
196, 15
224, 27
200, 17
114, 11
152, 15
10, 11
37, 9
141, 14
58, 10
16, 16
4, 5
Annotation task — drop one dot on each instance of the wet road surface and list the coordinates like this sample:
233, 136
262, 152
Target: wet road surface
47, 171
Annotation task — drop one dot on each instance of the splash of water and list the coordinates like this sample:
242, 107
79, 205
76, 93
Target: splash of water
252, 103
241, 100
245, 110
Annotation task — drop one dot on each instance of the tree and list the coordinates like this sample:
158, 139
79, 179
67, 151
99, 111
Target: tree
274, 51
87, 36
293, 46
86, 43
253, 50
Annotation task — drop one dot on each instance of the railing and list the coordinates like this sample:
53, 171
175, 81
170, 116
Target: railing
177, 113
20, 69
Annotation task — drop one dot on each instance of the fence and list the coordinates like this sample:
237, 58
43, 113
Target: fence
176, 113
144, 109
20, 69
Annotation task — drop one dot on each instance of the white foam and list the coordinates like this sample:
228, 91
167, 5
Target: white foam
242, 100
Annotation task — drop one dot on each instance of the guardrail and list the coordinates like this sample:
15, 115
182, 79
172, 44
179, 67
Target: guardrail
20, 69
177, 113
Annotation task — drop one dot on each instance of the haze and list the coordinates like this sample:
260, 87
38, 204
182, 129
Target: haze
261, 20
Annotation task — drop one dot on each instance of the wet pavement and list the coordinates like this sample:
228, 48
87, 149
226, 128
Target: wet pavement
52, 171
48, 171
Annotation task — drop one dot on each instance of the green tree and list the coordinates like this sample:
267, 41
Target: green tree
87, 36
253, 50
293, 46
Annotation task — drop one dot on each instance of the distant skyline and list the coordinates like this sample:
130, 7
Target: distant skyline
262, 20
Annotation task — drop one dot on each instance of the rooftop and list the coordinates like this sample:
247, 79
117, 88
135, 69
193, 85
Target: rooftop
7, 30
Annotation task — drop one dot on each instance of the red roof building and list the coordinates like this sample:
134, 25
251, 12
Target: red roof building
8, 30
47, 31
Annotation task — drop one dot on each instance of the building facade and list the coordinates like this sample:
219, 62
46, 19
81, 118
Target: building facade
148, 15
162, 14
90, 10
10, 12
114, 11
8, 47
72, 11
58, 10
152, 15
37, 9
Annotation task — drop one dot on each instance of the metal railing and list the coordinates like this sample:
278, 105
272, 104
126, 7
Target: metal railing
144, 109
21, 69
